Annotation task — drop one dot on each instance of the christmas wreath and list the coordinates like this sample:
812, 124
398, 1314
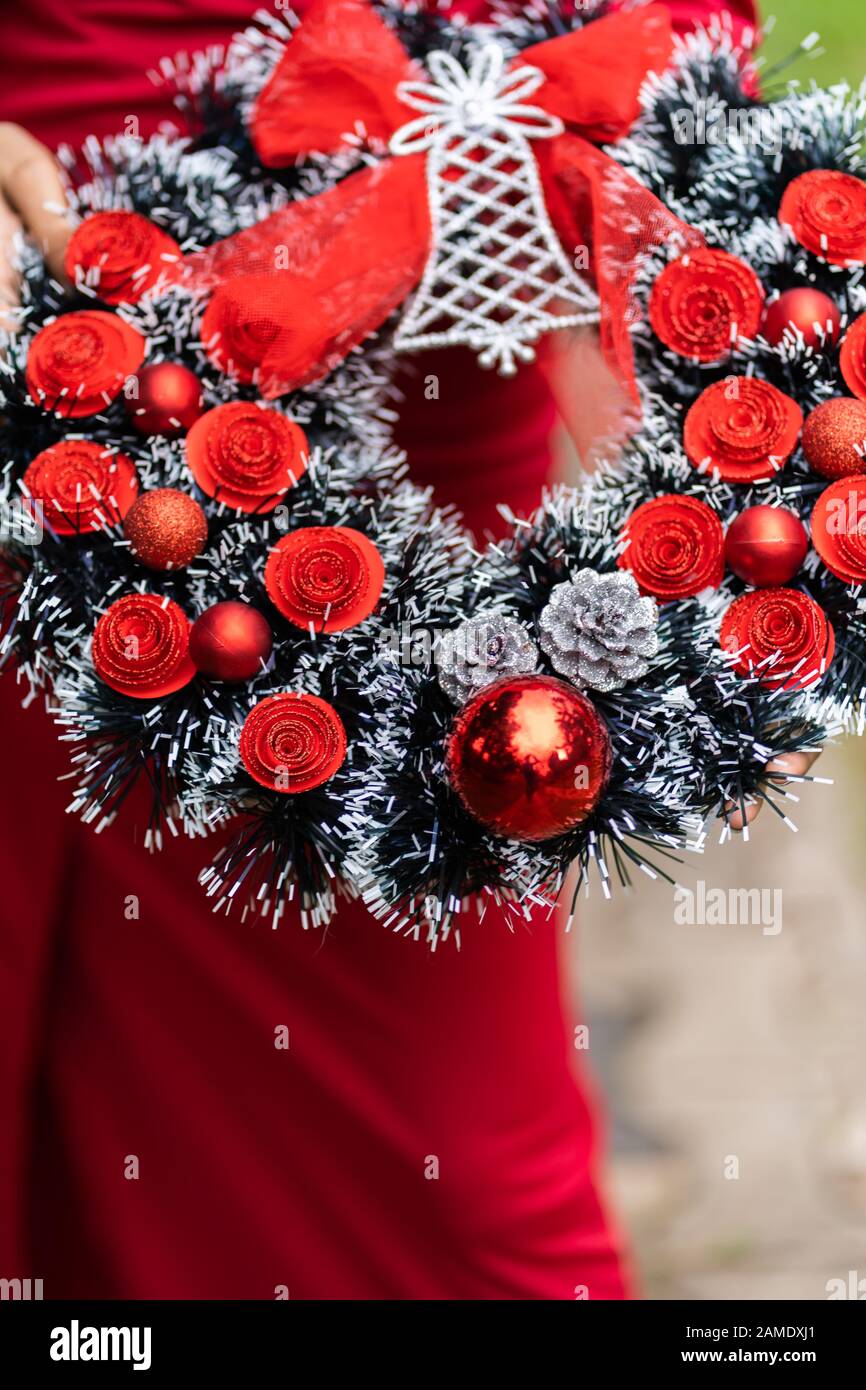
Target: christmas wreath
215, 566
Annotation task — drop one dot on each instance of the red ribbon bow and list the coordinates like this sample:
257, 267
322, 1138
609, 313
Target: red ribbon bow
294, 294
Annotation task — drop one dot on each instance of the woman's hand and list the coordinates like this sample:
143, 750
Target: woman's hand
789, 764
31, 199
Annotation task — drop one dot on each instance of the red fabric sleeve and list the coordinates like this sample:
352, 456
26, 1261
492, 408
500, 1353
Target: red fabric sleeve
687, 13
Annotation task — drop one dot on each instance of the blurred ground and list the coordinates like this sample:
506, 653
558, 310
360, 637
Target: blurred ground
720, 1046
734, 1062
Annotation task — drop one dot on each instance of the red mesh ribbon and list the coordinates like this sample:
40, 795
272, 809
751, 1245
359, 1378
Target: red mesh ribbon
318, 276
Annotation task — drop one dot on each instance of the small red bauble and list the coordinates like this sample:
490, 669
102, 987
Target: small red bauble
246, 455
79, 363
839, 529
121, 254
742, 429
529, 757
780, 636
329, 577
230, 642
166, 529
806, 311
82, 486
141, 647
834, 438
826, 211
852, 358
292, 743
674, 547
168, 399
766, 546
704, 303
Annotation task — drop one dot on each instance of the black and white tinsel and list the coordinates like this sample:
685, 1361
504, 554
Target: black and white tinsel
690, 737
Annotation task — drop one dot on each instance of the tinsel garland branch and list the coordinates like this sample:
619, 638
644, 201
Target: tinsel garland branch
586, 604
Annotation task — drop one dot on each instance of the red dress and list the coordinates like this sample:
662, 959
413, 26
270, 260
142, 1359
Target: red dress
427, 1133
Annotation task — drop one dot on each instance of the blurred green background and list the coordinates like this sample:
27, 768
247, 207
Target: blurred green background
842, 27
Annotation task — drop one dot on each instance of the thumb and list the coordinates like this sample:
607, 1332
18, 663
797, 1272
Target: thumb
31, 185
10, 226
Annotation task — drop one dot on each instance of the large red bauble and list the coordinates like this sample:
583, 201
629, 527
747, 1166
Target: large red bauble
529, 757
166, 529
169, 399
230, 642
834, 437
766, 546
810, 311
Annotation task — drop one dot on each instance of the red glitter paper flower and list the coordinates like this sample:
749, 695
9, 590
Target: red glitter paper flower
327, 576
121, 254
82, 486
78, 364
781, 636
246, 455
675, 547
826, 211
743, 428
839, 529
852, 358
141, 647
292, 743
702, 304
239, 328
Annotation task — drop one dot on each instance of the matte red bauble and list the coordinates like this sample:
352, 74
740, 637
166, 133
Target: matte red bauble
230, 642
529, 757
834, 437
766, 546
809, 311
166, 529
169, 399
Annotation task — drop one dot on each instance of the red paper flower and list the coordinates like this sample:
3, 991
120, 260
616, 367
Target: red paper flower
852, 358
781, 636
78, 364
743, 428
702, 304
128, 252
292, 743
826, 211
141, 647
82, 486
327, 576
246, 455
675, 547
839, 529
241, 325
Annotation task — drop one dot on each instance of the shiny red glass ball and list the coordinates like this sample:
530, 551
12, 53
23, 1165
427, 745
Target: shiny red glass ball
168, 399
766, 546
810, 311
529, 757
230, 642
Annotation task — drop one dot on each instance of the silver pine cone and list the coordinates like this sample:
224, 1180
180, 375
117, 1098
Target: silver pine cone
481, 650
598, 631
